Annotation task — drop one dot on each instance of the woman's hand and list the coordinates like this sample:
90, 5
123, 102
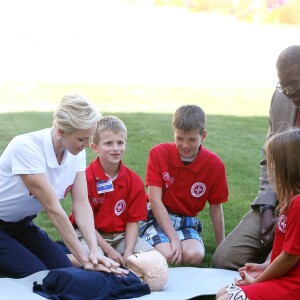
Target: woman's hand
102, 263
97, 262
101, 268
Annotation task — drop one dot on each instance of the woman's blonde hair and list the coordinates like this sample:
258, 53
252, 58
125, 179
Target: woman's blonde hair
75, 112
283, 162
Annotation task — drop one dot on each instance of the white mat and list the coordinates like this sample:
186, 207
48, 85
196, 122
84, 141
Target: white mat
17, 289
188, 282
183, 283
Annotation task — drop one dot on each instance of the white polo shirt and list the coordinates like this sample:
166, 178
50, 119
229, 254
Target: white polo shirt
33, 153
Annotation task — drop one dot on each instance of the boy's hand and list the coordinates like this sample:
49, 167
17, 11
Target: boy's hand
175, 256
116, 257
126, 254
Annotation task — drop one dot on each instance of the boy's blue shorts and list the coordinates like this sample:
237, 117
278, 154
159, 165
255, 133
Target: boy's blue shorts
186, 228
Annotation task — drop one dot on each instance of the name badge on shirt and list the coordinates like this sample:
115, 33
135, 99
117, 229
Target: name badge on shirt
104, 186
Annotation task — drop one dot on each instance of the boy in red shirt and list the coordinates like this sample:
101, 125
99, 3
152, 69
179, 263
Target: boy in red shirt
116, 194
181, 177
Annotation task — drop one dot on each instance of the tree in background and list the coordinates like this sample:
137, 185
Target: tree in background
270, 11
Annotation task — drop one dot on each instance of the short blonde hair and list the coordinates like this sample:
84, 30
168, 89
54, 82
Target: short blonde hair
189, 117
109, 123
75, 112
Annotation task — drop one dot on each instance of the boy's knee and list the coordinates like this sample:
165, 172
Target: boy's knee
163, 249
193, 257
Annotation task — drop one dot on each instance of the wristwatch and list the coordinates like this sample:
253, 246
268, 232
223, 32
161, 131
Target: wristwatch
264, 207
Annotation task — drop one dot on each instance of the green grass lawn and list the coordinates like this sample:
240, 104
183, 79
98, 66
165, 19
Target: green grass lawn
237, 125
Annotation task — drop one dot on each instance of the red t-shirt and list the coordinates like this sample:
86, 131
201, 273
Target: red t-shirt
287, 238
186, 188
126, 203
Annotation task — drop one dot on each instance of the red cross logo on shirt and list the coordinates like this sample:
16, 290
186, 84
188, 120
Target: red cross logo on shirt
282, 223
198, 189
168, 178
97, 201
120, 207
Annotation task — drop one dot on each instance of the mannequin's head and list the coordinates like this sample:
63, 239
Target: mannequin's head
151, 267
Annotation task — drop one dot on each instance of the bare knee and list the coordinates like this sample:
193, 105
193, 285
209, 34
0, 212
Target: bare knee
193, 256
222, 294
223, 297
164, 249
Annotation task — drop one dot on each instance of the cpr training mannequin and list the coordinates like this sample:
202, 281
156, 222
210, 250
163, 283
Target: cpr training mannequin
148, 273
151, 267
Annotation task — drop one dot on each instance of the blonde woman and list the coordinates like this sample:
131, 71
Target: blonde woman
37, 170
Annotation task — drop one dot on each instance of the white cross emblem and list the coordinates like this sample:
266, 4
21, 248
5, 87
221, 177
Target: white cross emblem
198, 189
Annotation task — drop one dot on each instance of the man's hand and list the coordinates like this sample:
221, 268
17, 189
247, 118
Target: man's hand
267, 228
